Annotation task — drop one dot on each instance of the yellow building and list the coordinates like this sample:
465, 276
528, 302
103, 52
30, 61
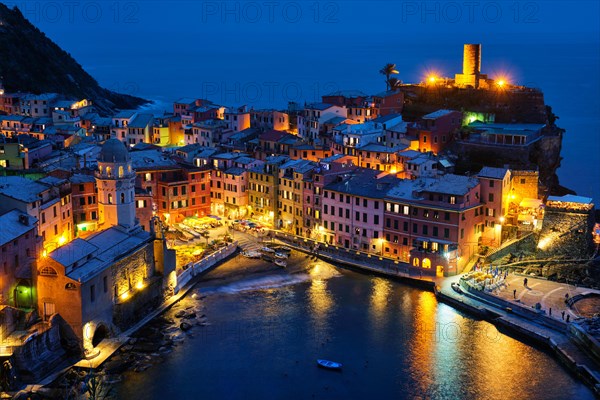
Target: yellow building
263, 187
292, 175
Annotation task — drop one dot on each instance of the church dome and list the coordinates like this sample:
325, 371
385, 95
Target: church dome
113, 150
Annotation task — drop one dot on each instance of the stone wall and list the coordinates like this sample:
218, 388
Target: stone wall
566, 234
136, 307
525, 184
130, 271
525, 244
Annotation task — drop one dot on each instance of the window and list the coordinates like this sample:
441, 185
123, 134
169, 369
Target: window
110, 198
48, 271
70, 286
491, 183
452, 200
491, 197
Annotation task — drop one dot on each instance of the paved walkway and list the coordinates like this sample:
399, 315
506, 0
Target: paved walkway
551, 295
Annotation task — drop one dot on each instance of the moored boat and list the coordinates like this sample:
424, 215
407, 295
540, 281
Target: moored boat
252, 254
283, 249
329, 364
281, 263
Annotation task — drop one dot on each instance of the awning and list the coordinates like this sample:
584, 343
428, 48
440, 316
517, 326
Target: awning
525, 218
530, 203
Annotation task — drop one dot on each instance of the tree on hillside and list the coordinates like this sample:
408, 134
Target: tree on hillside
388, 70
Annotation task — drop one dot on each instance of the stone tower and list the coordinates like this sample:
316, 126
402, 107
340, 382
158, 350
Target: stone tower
471, 72
116, 187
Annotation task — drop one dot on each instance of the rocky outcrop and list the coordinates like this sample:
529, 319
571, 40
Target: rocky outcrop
42, 352
31, 62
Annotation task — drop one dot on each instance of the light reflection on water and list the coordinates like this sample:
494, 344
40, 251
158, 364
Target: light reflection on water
395, 341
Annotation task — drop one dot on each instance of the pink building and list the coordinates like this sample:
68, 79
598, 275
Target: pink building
495, 194
353, 209
434, 223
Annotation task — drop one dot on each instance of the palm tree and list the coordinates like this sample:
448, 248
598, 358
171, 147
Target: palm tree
388, 70
394, 83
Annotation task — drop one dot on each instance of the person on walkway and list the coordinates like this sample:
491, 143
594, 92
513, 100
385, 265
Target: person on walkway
525, 282
568, 318
550, 311
515, 294
563, 315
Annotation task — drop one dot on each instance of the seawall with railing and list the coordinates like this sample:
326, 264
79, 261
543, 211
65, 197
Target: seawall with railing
205, 264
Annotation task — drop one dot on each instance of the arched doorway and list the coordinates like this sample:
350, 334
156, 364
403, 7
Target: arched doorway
426, 263
100, 334
439, 270
23, 294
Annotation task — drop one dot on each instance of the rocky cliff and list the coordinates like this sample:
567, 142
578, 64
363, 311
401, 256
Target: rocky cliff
31, 62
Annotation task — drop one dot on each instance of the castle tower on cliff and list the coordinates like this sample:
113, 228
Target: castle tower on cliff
116, 186
471, 73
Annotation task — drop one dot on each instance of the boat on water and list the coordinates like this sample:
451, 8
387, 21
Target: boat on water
456, 287
283, 249
281, 263
252, 254
267, 257
329, 364
281, 256
267, 250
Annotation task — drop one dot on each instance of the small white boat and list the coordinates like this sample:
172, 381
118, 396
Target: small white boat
281, 263
456, 287
329, 364
267, 250
252, 254
281, 256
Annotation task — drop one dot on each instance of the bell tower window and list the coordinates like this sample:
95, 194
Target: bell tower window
109, 198
122, 198
121, 172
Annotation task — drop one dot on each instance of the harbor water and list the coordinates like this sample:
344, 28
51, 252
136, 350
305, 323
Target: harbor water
266, 330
